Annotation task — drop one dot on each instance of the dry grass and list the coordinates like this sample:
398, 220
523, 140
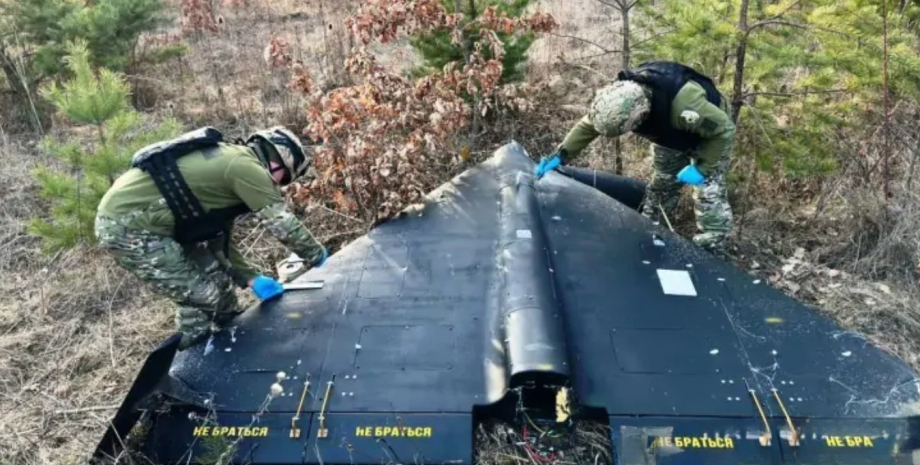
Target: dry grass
223, 79
588, 443
851, 260
73, 331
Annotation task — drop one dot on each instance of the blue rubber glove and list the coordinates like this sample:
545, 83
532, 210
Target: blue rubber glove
547, 164
322, 259
266, 288
691, 175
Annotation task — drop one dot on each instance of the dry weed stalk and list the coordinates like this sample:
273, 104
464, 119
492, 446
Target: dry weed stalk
499, 444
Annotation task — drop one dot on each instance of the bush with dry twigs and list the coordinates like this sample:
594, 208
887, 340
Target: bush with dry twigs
389, 139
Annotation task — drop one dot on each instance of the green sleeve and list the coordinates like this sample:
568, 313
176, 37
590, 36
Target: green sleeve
240, 265
693, 113
252, 183
282, 224
579, 137
231, 258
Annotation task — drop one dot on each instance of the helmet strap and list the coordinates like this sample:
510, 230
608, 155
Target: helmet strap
274, 167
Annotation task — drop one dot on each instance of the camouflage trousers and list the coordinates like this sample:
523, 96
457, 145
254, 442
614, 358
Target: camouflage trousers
194, 276
713, 212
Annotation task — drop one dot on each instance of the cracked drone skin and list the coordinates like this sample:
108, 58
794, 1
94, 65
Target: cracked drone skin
497, 282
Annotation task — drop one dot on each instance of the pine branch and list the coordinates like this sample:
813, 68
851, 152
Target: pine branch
780, 22
653, 37
791, 6
771, 22
794, 94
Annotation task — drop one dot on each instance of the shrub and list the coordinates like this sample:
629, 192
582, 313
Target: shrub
107, 132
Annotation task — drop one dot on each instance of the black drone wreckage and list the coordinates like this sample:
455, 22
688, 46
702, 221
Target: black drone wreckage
540, 305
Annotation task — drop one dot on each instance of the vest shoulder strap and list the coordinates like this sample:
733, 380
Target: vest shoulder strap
189, 142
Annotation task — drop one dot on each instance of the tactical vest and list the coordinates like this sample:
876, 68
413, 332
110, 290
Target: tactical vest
192, 222
666, 79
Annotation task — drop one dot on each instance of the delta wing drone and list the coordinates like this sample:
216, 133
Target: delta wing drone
539, 306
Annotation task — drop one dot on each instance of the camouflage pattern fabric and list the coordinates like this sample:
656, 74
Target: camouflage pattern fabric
664, 189
282, 224
713, 212
191, 275
619, 108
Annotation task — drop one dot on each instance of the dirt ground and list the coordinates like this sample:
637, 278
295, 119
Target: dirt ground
74, 328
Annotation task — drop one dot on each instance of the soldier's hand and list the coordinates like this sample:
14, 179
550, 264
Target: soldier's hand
322, 259
547, 164
266, 288
691, 175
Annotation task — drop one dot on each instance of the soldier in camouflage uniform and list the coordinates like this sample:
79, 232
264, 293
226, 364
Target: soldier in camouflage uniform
687, 120
189, 257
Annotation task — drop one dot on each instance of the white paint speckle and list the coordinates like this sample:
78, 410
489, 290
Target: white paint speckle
689, 265
557, 218
782, 382
357, 346
209, 347
731, 381
524, 234
756, 281
281, 376
799, 399
646, 262
277, 390
738, 399
298, 362
728, 399
713, 351
723, 381
721, 280
847, 353
774, 352
791, 382
228, 349
658, 242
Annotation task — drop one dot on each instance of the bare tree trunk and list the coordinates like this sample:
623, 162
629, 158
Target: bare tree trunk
740, 51
886, 145
626, 55
467, 56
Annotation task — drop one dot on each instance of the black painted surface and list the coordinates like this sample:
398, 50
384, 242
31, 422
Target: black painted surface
416, 324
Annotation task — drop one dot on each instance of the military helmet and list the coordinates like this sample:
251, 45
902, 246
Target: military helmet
288, 148
619, 108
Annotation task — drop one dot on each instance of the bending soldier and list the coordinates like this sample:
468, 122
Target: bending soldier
682, 113
168, 220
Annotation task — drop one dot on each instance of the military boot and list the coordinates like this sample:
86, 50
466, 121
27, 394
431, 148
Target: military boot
713, 242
